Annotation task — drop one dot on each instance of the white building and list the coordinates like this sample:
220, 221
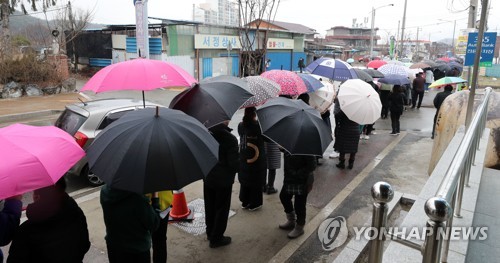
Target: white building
217, 12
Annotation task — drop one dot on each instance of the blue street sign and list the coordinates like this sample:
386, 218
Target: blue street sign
487, 50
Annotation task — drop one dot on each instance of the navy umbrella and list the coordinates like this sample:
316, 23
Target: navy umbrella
213, 100
151, 150
334, 69
311, 82
394, 79
295, 126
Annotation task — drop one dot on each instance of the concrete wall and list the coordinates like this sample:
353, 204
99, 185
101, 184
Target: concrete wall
493, 71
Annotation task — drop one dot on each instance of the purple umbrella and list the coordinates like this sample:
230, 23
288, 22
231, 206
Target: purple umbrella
312, 84
335, 69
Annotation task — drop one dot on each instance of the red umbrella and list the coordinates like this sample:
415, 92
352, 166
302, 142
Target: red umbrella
445, 59
376, 64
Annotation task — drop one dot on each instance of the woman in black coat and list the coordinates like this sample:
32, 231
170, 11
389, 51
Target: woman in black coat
346, 139
253, 166
396, 106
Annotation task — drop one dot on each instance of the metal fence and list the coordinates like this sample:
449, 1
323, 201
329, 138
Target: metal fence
441, 207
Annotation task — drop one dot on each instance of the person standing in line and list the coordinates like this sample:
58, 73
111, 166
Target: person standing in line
297, 183
302, 64
273, 154
129, 219
253, 167
10, 216
346, 139
218, 185
438, 101
385, 91
429, 78
418, 91
56, 229
161, 202
396, 106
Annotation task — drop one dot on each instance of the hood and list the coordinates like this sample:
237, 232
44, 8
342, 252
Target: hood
111, 195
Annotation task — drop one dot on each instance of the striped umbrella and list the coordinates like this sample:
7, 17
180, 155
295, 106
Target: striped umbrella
335, 69
394, 70
290, 83
263, 89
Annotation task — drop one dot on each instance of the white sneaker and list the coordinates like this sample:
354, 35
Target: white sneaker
366, 137
334, 155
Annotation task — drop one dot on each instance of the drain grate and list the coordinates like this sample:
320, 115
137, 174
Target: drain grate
197, 226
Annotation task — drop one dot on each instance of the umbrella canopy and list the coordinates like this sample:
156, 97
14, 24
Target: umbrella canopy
290, 83
359, 101
214, 100
445, 59
139, 74
334, 69
350, 60
295, 126
311, 82
362, 75
443, 67
374, 73
151, 150
376, 64
34, 157
446, 81
323, 98
262, 88
430, 63
394, 80
420, 65
394, 70
458, 66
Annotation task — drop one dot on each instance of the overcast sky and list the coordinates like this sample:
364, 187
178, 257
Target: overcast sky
321, 14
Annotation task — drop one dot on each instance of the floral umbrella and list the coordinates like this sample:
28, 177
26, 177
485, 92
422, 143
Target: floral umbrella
262, 88
290, 83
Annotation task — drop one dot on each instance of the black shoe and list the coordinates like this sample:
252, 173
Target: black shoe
264, 188
224, 241
254, 207
351, 164
341, 165
271, 190
244, 206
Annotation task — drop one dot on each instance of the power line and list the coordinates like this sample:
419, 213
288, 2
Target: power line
39, 12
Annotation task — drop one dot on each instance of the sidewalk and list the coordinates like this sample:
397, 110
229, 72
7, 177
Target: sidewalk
256, 237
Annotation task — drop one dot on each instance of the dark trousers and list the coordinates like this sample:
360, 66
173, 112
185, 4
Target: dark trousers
299, 205
395, 115
384, 99
368, 129
124, 256
271, 176
217, 204
159, 238
417, 95
251, 195
352, 157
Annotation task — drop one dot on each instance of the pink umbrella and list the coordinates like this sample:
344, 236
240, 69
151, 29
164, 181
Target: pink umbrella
139, 74
290, 83
34, 157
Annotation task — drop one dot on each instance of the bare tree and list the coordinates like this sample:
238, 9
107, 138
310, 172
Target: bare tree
255, 16
7, 7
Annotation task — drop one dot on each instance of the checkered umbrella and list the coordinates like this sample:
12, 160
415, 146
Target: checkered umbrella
262, 88
335, 69
393, 69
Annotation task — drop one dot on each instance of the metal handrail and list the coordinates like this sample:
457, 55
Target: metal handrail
440, 208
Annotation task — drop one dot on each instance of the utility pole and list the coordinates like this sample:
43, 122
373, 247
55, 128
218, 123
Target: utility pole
416, 43
397, 47
403, 30
371, 32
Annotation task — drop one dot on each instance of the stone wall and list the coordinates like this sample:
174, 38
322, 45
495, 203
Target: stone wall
16, 90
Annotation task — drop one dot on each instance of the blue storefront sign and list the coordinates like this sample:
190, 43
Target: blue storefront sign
487, 49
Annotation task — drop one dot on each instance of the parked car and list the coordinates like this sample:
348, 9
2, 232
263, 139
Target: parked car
85, 120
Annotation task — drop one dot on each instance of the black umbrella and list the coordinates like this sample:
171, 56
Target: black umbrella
373, 73
443, 67
213, 100
295, 126
146, 151
362, 75
430, 63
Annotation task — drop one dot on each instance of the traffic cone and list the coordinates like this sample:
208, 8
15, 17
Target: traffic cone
180, 210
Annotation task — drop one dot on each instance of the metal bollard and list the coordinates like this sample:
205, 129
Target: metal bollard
439, 211
382, 194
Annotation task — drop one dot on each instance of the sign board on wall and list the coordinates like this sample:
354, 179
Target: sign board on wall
461, 45
216, 41
280, 43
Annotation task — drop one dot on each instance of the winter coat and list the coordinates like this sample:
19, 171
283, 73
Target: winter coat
396, 102
129, 220
9, 221
419, 84
439, 99
429, 76
223, 173
346, 134
253, 162
54, 232
273, 154
298, 169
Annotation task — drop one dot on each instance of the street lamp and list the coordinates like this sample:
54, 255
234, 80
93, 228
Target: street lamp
453, 39
373, 25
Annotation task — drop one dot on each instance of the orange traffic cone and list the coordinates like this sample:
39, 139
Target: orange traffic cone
180, 210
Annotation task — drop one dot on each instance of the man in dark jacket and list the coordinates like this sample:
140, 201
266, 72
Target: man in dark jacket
56, 229
129, 220
10, 215
438, 101
218, 185
418, 91
302, 64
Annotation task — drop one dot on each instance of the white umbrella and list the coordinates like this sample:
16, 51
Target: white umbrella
359, 101
322, 98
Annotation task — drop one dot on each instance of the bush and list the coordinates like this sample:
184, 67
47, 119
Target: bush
27, 69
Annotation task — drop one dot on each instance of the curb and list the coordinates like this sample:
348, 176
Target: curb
28, 115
